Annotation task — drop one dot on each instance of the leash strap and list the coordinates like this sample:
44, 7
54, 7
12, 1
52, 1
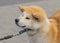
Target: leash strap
10, 36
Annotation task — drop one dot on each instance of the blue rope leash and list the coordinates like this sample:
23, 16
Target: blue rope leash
10, 36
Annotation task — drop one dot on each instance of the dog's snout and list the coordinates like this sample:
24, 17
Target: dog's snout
16, 20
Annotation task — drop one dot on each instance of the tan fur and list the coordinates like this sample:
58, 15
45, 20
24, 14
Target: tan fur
56, 21
34, 10
53, 33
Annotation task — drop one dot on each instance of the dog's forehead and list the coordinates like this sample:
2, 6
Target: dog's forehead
34, 10
27, 14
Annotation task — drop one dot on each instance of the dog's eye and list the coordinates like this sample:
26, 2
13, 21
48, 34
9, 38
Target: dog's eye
36, 18
27, 18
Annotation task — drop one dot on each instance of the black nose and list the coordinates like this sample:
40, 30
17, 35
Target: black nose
16, 20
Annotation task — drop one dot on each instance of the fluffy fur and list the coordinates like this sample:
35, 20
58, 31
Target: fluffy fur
44, 30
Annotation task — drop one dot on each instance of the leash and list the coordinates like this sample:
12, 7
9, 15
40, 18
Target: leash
10, 36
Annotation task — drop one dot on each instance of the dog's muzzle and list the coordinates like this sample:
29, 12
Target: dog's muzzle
17, 20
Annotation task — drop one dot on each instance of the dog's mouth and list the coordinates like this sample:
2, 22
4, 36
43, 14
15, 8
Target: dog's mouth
20, 26
24, 27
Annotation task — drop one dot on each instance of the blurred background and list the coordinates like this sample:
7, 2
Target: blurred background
9, 11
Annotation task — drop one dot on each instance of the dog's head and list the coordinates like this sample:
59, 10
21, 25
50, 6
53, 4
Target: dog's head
32, 17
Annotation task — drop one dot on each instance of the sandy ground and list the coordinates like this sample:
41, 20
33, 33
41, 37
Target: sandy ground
8, 14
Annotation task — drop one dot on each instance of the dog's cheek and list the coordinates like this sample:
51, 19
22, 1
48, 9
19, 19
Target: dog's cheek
29, 23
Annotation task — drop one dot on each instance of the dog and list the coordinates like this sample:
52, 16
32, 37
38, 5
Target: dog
43, 29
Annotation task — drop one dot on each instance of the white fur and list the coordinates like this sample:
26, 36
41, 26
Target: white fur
35, 36
28, 23
39, 37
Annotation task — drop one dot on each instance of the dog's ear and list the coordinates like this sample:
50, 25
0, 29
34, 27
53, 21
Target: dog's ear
22, 8
36, 17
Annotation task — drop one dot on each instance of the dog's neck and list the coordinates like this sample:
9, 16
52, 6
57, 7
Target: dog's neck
39, 36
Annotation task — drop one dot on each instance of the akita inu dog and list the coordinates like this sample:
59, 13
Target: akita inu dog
43, 29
